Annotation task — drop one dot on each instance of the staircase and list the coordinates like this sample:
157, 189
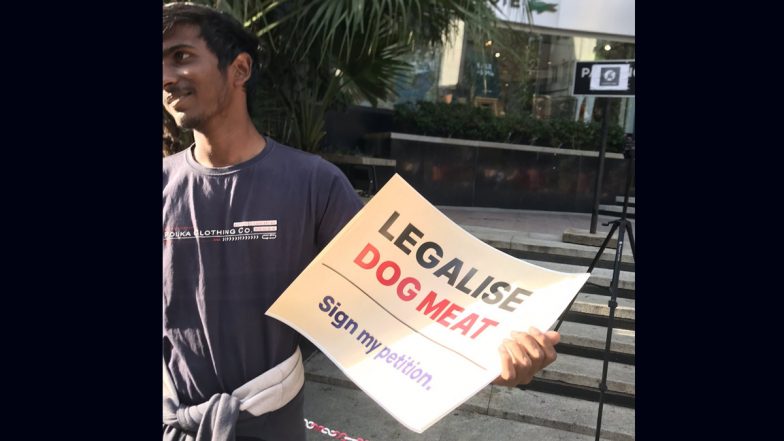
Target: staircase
562, 401
617, 208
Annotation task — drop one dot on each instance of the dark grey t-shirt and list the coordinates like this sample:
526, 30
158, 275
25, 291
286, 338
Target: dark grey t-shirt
233, 239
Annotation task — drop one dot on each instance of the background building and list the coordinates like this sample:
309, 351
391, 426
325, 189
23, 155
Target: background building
530, 69
524, 75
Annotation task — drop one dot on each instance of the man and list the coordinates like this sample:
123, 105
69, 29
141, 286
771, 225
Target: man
242, 217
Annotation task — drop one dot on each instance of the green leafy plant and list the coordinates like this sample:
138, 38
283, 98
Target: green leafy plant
476, 123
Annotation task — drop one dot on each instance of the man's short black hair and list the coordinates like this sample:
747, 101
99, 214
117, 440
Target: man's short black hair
223, 34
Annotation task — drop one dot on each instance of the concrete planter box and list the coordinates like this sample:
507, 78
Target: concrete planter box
490, 174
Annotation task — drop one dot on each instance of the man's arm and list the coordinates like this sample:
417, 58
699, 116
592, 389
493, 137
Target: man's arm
525, 354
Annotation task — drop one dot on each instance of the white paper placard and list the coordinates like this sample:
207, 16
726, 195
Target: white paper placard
412, 308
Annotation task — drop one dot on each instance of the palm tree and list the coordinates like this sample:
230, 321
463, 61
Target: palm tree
321, 55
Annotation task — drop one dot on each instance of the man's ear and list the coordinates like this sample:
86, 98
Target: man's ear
240, 69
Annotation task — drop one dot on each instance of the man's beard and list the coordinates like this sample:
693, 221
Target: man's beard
188, 122
196, 120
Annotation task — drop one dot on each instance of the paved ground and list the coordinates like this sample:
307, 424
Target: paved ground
530, 221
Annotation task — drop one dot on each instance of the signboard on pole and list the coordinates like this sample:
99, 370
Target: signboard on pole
413, 309
612, 78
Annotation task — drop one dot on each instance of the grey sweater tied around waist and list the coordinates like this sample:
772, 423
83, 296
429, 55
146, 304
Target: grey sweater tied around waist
216, 419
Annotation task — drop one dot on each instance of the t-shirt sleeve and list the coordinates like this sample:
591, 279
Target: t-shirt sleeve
337, 202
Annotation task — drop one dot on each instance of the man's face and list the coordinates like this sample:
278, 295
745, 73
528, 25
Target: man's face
194, 90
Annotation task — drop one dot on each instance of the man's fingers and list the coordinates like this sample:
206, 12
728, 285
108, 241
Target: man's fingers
523, 364
533, 349
547, 342
507, 366
518, 355
525, 355
554, 337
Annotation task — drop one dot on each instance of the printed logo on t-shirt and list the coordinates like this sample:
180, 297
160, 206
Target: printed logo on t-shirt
239, 231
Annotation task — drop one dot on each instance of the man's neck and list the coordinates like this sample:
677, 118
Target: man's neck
227, 143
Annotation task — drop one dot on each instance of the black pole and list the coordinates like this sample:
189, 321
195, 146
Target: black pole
629, 152
613, 303
600, 171
590, 269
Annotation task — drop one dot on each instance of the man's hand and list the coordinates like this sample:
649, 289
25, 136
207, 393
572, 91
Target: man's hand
524, 355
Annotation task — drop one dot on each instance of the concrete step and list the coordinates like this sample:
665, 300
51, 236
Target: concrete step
616, 210
325, 380
351, 411
599, 276
619, 200
581, 371
553, 248
549, 248
596, 304
594, 337
593, 309
595, 240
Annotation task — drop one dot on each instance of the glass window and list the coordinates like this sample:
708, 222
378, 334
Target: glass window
522, 73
